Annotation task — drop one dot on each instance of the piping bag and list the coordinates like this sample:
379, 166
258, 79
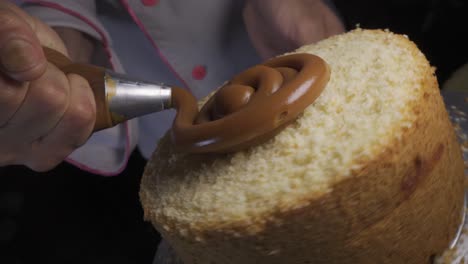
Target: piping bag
248, 110
118, 97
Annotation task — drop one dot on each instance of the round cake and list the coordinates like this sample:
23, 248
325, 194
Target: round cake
371, 172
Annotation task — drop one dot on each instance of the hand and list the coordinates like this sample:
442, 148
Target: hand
278, 26
44, 114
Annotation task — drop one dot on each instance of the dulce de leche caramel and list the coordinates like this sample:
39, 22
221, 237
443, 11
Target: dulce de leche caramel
251, 108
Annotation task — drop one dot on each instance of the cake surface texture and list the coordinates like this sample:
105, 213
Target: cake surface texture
370, 173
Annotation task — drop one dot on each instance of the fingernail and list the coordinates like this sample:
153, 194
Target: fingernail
18, 55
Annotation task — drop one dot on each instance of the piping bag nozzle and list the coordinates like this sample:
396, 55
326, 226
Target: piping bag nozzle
118, 97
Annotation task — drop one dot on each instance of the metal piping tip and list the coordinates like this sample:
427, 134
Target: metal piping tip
128, 98
118, 97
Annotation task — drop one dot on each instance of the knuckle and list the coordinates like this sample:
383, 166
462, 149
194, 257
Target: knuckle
10, 100
79, 119
8, 19
76, 79
81, 114
53, 97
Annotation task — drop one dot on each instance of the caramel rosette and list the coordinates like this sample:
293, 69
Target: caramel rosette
251, 108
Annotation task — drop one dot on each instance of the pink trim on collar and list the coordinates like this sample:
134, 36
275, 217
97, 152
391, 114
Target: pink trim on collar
149, 2
105, 43
153, 42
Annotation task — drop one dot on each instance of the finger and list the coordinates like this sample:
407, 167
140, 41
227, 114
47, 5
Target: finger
322, 24
45, 103
47, 36
12, 94
73, 130
256, 33
21, 55
15, 9
333, 23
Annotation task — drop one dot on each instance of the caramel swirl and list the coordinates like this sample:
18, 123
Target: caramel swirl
251, 108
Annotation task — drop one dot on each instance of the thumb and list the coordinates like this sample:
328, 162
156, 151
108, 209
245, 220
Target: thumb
21, 55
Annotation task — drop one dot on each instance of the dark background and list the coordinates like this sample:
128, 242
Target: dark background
70, 216
438, 27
